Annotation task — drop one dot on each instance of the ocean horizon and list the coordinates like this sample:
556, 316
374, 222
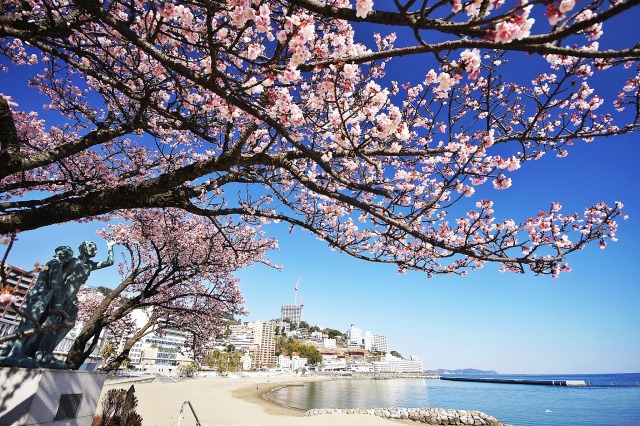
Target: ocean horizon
607, 400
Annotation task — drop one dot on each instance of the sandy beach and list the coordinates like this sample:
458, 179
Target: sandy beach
226, 401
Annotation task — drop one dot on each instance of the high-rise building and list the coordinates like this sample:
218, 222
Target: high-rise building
379, 343
354, 336
293, 312
367, 342
264, 338
19, 282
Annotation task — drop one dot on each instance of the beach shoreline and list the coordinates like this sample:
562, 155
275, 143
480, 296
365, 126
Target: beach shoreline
227, 401
260, 394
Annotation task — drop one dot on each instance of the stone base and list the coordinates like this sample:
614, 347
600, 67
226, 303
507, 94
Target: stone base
55, 397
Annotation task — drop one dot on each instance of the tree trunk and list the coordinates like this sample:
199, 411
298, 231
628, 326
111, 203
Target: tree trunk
115, 363
91, 330
77, 355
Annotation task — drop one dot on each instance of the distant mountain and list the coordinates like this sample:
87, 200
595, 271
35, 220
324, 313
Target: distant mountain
464, 371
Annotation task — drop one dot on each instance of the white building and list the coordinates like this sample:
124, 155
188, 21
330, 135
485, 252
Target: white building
283, 327
392, 364
331, 362
360, 367
240, 332
19, 282
379, 343
354, 336
317, 336
367, 342
291, 363
329, 343
242, 337
159, 351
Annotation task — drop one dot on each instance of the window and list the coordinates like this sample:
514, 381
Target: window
68, 406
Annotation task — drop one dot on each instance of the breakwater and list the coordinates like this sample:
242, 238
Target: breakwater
431, 416
519, 381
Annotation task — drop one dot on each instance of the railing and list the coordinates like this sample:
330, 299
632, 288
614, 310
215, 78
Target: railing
192, 411
167, 377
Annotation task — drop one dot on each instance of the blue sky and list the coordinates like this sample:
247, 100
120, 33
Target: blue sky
587, 321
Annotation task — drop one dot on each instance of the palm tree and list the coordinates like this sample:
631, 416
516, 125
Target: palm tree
108, 351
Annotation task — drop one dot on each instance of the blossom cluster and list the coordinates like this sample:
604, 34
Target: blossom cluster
517, 27
263, 94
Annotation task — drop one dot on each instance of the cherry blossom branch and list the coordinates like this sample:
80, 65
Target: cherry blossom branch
632, 53
471, 28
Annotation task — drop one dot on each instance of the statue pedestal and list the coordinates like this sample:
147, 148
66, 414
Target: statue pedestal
55, 397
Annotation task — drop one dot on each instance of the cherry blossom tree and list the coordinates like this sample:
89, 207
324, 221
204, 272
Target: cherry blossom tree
270, 111
179, 268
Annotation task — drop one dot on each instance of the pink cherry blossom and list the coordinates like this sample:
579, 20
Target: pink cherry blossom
502, 182
445, 81
566, 6
363, 7
515, 28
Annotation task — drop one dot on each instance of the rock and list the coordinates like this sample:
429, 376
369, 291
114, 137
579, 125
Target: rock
467, 420
431, 416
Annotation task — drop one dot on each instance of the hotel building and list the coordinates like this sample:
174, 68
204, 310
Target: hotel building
392, 364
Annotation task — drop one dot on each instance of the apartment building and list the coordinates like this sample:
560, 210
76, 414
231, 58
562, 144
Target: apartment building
265, 344
242, 337
19, 282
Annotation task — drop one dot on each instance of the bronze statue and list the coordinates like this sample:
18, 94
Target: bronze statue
53, 302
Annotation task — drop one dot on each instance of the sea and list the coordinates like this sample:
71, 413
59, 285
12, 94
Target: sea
608, 400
